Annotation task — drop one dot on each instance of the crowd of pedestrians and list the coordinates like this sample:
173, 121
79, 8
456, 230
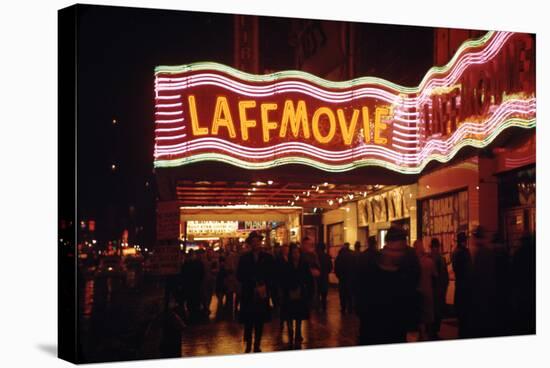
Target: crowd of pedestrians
393, 291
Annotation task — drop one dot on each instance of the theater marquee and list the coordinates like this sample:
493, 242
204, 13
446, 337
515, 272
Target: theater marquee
208, 111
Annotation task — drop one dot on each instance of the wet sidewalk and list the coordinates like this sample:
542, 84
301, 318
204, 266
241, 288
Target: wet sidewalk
322, 330
118, 322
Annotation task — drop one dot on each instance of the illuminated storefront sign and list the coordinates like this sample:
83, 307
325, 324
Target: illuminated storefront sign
208, 111
225, 228
202, 228
385, 207
443, 217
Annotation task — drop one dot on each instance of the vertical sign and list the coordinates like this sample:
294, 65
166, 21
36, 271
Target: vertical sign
166, 255
246, 43
168, 220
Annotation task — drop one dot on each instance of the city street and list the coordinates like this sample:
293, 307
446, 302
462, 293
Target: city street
270, 159
322, 330
137, 328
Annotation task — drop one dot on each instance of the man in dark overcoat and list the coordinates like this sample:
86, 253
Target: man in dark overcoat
254, 272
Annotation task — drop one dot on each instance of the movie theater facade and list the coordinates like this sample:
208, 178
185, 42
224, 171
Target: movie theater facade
292, 154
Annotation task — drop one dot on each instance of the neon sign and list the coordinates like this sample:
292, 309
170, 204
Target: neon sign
208, 111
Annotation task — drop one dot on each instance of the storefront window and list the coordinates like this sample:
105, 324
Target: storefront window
517, 203
336, 234
443, 217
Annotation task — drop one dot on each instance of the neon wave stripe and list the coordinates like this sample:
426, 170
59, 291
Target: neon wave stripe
514, 122
159, 106
170, 129
459, 63
171, 137
340, 96
501, 114
200, 66
170, 97
169, 121
494, 41
465, 129
302, 148
169, 112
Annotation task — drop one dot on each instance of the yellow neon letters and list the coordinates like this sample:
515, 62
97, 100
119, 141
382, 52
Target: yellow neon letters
347, 131
222, 117
379, 125
245, 123
292, 121
266, 124
195, 127
297, 117
366, 124
315, 125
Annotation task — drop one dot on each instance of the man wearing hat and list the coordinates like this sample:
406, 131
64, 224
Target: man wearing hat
462, 266
254, 272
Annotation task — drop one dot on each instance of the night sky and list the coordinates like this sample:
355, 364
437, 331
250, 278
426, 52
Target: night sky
118, 49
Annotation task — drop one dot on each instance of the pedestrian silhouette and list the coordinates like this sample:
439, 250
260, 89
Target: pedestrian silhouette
426, 287
297, 282
524, 287
365, 275
344, 268
462, 267
440, 287
254, 272
393, 304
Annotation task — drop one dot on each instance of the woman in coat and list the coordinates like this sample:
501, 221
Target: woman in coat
297, 286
